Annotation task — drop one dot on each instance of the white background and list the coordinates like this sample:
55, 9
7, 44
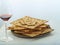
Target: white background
43, 9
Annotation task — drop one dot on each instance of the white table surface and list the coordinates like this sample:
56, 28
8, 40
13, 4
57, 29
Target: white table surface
52, 39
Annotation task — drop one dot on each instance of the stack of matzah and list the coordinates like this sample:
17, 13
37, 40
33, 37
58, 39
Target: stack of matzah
29, 26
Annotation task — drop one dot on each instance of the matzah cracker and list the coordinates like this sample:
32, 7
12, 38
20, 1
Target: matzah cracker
28, 22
